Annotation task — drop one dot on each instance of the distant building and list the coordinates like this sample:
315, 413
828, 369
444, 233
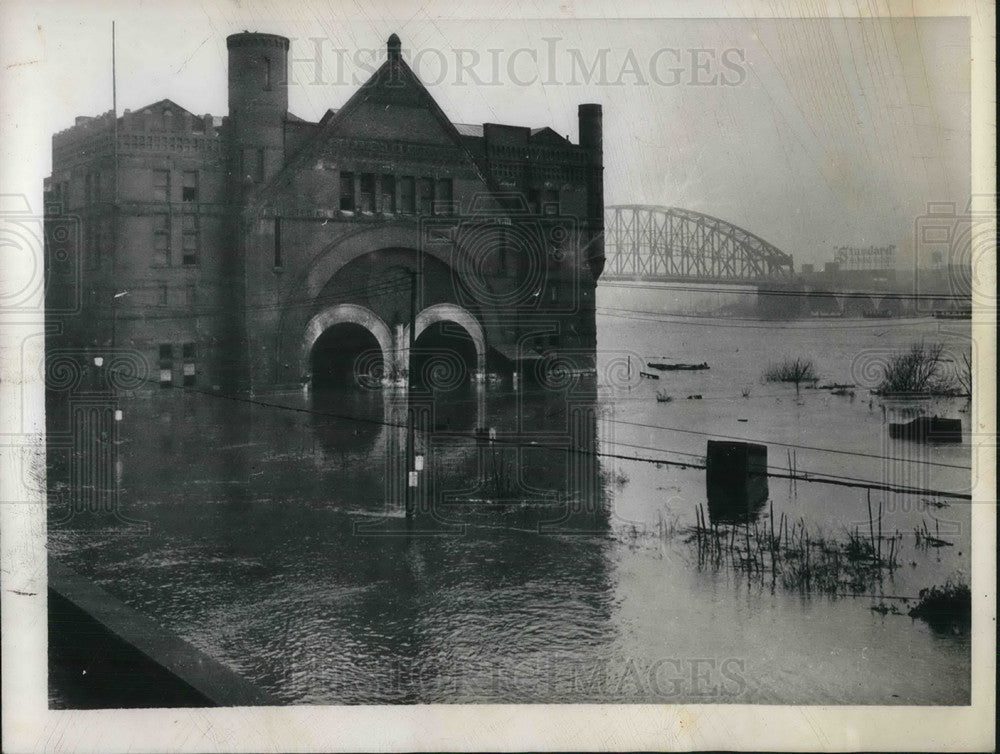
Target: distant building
260, 250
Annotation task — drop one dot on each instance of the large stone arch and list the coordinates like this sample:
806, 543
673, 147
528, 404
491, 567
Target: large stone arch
452, 313
347, 314
341, 250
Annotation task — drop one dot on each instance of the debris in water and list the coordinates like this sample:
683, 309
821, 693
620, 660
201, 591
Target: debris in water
677, 367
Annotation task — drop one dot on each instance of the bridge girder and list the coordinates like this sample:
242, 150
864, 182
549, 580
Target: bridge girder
670, 243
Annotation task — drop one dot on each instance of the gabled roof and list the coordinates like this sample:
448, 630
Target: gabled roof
394, 84
469, 129
547, 136
166, 104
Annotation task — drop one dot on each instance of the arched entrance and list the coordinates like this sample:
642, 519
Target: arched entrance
890, 307
822, 303
857, 306
449, 348
346, 346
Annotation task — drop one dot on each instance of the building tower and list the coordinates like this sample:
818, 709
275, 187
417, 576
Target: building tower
258, 105
592, 139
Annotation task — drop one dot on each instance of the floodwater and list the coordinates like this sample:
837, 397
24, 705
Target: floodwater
553, 565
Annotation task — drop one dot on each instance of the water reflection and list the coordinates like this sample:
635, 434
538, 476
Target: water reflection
349, 420
524, 458
268, 544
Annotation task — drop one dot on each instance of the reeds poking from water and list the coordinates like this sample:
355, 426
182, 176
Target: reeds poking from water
922, 537
785, 551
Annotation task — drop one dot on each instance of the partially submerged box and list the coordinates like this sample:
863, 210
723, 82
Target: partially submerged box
928, 429
736, 480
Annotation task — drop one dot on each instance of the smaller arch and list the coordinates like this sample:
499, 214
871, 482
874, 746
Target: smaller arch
347, 314
858, 305
452, 313
890, 306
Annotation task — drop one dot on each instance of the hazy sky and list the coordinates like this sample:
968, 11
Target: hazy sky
812, 133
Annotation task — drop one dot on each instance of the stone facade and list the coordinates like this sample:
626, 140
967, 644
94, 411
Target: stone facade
225, 251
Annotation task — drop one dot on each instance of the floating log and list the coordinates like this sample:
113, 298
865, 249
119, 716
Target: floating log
677, 367
649, 375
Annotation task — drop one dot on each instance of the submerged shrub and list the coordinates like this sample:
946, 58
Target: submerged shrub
945, 607
797, 370
916, 371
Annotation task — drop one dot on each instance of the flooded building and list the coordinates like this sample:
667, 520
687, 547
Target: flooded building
260, 250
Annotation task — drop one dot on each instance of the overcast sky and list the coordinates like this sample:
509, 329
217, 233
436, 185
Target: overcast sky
812, 133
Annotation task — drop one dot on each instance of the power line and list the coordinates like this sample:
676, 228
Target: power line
736, 322
824, 479
737, 287
791, 445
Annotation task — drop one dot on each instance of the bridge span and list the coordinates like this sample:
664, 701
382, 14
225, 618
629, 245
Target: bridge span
690, 261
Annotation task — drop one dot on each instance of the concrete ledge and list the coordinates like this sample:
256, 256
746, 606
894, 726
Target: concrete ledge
131, 661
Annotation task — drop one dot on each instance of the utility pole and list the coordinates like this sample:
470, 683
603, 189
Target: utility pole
411, 472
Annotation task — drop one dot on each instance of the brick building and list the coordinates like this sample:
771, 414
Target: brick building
259, 250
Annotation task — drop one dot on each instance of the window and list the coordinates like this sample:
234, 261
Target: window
161, 185
550, 202
426, 197
367, 197
189, 191
189, 230
347, 191
97, 240
267, 74
188, 352
406, 195
502, 252
166, 365
161, 240
97, 187
162, 300
534, 201
277, 242
88, 188
387, 187
443, 200
91, 260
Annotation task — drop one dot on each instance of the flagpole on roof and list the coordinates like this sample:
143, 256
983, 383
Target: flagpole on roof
114, 112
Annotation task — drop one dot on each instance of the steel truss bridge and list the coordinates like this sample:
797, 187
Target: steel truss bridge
651, 243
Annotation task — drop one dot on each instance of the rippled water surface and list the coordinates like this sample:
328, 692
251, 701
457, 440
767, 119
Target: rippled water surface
272, 537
